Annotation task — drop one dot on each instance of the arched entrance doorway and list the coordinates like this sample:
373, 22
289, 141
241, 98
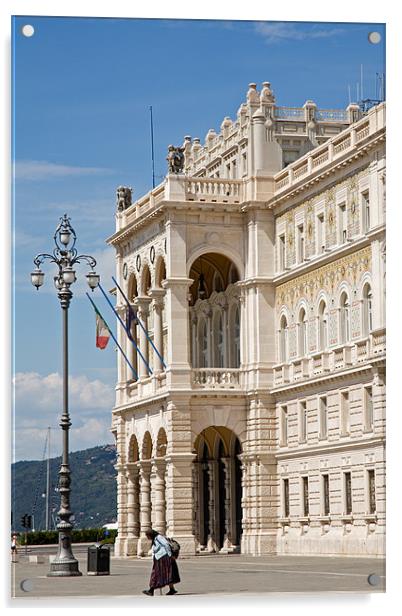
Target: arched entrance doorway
217, 491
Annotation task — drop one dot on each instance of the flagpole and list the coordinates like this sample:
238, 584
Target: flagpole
125, 329
111, 333
139, 322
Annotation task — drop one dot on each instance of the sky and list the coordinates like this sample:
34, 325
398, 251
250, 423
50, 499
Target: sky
82, 88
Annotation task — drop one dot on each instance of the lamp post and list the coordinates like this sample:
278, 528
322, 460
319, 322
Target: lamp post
65, 256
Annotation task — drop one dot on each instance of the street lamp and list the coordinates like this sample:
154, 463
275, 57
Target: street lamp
65, 256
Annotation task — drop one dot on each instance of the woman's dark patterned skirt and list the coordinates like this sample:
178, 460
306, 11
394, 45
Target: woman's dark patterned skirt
164, 572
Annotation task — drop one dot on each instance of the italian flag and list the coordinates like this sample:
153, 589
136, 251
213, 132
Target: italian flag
102, 332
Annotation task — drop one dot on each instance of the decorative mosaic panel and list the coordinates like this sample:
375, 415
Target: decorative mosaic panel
310, 230
327, 278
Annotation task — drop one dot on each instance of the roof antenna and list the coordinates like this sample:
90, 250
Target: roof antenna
350, 98
152, 148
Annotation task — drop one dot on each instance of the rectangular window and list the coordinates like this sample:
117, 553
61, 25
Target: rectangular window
300, 243
323, 410
366, 211
371, 488
368, 408
284, 426
325, 490
244, 164
342, 224
286, 498
281, 253
320, 234
305, 496
348, 493
345, 413
303, 421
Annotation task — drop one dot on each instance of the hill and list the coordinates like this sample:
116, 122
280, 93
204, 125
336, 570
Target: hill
93, 484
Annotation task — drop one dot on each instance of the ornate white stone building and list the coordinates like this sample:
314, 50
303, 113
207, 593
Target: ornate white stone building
259, 273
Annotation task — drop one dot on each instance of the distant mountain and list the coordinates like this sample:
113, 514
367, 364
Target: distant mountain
93, 489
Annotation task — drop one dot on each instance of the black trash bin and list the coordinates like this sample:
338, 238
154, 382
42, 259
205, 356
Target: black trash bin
98, 560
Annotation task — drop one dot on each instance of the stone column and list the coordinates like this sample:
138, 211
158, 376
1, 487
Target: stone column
158, 489
120, 544
157, 296
145, 506
226, 337
227, 540
132, 509
131, 350
194, 345
178, 352
212, 484
196, 503
142, 304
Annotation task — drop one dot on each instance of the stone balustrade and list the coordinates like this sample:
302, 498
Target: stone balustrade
216, 378
214, 190
330, 361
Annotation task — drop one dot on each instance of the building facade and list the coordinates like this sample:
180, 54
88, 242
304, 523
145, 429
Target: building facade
254, 419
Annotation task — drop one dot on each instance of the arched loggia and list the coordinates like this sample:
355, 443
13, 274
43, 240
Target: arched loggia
217, 491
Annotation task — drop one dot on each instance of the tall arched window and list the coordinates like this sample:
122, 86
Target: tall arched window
344, 318
322, 326
283, 340
367, 310
303, 344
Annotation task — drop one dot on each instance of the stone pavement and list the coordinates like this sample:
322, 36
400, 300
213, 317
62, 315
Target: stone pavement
206, 576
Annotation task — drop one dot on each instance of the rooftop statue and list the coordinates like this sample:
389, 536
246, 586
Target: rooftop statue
175, 159
124, 197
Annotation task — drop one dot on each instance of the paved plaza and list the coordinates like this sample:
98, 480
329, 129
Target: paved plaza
203, 576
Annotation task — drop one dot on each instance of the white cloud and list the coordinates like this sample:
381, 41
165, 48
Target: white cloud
38, 404
33, 390
274, 32
45, 170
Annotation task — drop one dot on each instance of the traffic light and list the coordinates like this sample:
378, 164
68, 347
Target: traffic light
26, 521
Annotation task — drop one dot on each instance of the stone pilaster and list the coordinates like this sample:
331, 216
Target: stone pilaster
142, 304
261, 499
179, 478
120, 543
227, 494
157, 296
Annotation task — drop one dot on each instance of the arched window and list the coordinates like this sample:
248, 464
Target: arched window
303, 343
236, 338
322, 326
367, 310
283, 340
344, 318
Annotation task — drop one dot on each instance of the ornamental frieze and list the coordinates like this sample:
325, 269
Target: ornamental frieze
327, 278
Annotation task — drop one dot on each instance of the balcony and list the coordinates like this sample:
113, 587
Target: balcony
331, 361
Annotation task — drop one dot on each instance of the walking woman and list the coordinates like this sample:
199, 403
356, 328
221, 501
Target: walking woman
164, 567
